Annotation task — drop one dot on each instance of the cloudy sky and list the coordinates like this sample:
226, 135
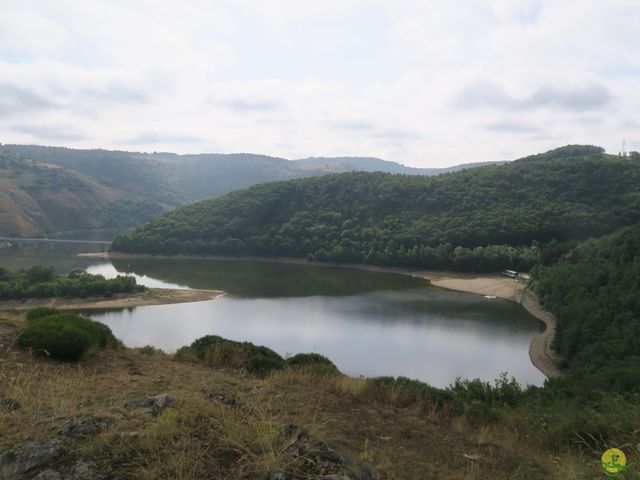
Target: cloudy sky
422, 82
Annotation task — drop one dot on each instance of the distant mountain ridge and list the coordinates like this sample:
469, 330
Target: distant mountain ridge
144, 184
373, 164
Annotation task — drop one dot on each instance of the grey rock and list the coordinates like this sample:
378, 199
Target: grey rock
315, 457
48, 475
28, 457
367, 471
130, 434
222, 397
83, 470
77, 427
155, 404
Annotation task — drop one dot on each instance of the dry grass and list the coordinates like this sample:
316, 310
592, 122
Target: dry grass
204, 438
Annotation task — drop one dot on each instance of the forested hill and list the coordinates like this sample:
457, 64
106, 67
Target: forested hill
594, 290
408, 220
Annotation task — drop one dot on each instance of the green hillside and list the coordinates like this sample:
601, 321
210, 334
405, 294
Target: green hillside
480, 219
594, 291
37, 198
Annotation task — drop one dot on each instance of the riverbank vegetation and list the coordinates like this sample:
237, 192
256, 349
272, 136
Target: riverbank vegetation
64, 336
594, 290
479, 220
42, 282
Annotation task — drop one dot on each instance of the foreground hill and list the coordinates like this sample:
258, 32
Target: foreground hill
142, 414
431, 222
36, 198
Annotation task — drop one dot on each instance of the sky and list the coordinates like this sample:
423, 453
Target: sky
421, 82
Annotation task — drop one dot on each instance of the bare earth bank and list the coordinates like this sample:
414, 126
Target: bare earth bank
152, 296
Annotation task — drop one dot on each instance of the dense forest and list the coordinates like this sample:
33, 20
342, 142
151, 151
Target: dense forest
481, 219
595, 292
42, 282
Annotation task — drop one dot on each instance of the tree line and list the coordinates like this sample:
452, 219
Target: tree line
42, 282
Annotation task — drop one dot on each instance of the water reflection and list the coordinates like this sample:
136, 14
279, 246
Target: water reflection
367, 323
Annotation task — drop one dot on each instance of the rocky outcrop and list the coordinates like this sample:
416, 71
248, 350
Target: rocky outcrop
30, 458
155, 404
48, 475
311, 456
77, 427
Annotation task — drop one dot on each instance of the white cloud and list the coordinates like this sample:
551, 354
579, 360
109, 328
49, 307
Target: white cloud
427, 83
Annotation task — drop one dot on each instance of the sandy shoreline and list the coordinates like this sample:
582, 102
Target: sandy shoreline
541, 354
152, 296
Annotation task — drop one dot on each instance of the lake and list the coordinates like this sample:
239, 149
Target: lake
367, 323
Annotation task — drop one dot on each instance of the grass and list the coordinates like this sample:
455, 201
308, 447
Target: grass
405, 427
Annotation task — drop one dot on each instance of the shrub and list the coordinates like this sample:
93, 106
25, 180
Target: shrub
218, 351
64, 336
403, 391
313, 362
41, 312
261, 365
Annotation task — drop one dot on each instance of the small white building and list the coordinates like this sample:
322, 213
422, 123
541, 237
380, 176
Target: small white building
510, 273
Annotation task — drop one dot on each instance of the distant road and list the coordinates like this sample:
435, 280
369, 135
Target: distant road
53, 240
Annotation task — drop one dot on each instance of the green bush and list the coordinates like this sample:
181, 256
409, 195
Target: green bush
41, 312
403, 391
64, 336
261, 365
218, 351
313, 362
506, 392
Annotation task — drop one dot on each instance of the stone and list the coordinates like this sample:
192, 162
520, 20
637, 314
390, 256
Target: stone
77, 427
315, 457
222, 397
367, 471
48, 475
130, 434
83, 470
14, 464
155, 404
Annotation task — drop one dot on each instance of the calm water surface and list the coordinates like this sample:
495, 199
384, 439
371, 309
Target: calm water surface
368, 323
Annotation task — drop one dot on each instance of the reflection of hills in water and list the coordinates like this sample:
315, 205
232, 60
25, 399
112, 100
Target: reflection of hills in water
62, 256
266, 279
450, 308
